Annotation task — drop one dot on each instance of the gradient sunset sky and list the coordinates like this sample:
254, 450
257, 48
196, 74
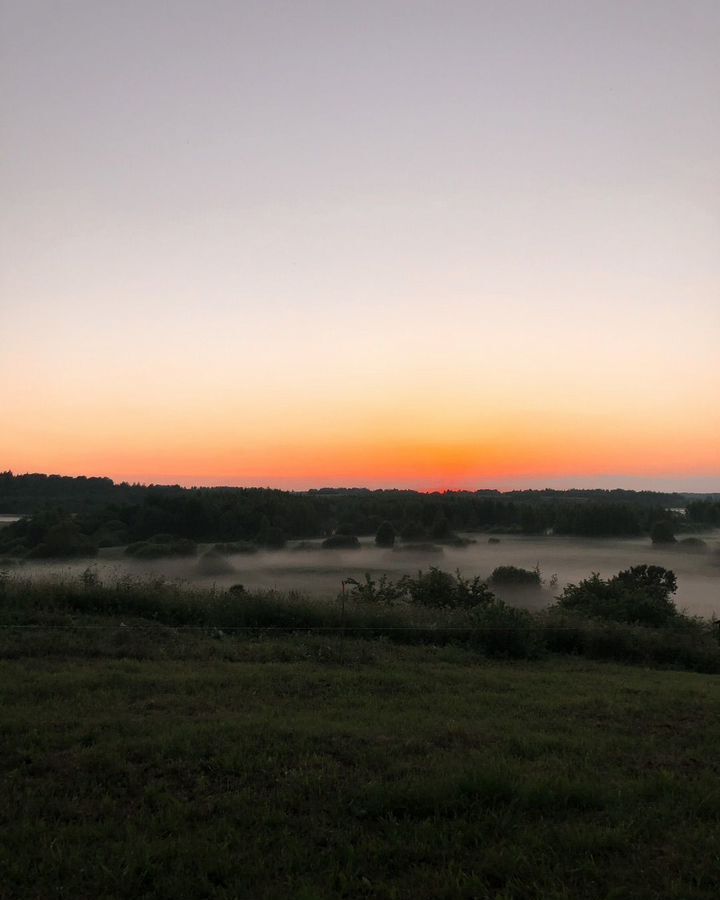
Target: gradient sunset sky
427, 244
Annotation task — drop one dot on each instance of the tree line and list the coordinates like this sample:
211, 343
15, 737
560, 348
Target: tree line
79, 514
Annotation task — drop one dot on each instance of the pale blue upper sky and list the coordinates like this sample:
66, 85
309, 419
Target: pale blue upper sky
230, 198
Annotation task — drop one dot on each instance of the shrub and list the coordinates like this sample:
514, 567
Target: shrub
662, 533
658, 582
472, 593
434, 588
382, 591
442, 590
516, 577
640, 595
693, 545
63, 540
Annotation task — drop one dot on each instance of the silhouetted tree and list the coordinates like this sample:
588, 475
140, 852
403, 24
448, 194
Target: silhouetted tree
385, 536
662, 533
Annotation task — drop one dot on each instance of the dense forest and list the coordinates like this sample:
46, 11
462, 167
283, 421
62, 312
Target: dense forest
76, 516
24, 494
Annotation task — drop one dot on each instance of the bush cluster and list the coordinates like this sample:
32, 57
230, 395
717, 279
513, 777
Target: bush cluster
513, 576
435, 589
639, 595
442, 590
63, 540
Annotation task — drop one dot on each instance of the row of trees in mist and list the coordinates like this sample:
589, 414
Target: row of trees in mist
266, 517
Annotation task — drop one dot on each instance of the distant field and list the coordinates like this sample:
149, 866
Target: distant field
305, 768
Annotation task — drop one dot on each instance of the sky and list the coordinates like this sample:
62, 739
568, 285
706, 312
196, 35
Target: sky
385, 243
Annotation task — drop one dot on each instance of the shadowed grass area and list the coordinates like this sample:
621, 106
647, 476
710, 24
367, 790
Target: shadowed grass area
407, 772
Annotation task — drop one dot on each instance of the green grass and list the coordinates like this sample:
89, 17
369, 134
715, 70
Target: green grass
142, 756
404, 772
159, 742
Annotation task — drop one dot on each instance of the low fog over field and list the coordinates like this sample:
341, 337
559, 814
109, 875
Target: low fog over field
308, 568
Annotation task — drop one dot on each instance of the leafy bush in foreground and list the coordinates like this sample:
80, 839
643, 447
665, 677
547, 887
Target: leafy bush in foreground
381, 591
445, 591
434, 588
639, 595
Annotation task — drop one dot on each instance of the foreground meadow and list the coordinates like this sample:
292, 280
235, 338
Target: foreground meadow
150, 762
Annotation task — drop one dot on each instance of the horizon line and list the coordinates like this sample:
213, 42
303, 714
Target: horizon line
191, 483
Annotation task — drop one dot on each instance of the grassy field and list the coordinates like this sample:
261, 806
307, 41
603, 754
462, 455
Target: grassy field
303, 767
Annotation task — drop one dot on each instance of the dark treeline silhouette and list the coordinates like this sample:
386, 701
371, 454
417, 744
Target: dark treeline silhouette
704, 512
24, 494
75, 516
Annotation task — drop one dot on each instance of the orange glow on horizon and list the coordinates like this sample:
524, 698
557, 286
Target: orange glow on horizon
394, 462
425, 438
